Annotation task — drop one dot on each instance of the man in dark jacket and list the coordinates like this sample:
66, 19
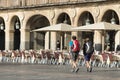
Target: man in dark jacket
88, 51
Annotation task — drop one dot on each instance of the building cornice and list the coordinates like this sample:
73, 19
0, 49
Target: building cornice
55, 5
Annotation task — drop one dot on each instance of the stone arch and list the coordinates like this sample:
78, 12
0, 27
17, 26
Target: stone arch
112, 17
85, 18
62, 17
15, 32
81, 12
36, 40
13, 20
107, 9
66, 36
33, 14
108, 15
35, 19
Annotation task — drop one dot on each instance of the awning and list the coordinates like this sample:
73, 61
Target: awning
54, 28
98, 26
102, 26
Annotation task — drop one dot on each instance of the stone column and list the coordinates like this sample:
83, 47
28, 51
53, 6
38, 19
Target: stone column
25, 37
53, 40
9, 36
33, 40
98, 40
47, 40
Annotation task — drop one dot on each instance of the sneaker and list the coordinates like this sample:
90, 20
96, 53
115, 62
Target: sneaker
76, 70
90, 69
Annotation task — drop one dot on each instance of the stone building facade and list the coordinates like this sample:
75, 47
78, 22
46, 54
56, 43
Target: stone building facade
19, 17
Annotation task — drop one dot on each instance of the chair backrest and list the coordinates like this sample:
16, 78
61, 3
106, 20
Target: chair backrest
110, 57
43, 53
56, 55
105, 56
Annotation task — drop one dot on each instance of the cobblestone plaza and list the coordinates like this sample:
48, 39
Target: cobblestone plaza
54, 72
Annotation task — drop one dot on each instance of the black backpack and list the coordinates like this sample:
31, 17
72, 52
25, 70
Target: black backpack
89, 47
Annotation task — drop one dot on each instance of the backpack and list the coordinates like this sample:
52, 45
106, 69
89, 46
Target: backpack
76, 45
89, 48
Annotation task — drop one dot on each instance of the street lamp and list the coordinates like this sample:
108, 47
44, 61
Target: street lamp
113, 19
65, 21
17, 25
1, 26
87, 21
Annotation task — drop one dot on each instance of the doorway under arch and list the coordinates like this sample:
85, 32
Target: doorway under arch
111, 17
85, 18
37, 39
2, 34
16, 34
66, 36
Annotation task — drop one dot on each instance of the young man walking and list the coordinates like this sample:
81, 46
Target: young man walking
75, 54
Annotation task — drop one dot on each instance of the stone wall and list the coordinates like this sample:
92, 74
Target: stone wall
25, 3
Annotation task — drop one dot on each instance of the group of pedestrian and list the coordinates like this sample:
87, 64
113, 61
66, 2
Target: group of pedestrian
74, 48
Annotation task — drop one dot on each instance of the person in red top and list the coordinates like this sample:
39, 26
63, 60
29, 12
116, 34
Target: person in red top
75, 53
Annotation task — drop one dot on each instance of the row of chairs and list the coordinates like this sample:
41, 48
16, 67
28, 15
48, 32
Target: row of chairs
106, 60
57, 57
32, 56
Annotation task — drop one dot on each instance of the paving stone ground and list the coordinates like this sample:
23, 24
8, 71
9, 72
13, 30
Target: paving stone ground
54, 72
